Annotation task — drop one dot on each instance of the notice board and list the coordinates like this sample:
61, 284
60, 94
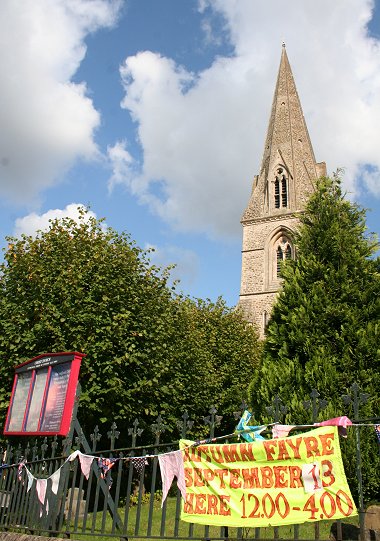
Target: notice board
43, 395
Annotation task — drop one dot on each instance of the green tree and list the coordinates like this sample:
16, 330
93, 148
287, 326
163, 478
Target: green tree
223, 353
325, 326
82, 286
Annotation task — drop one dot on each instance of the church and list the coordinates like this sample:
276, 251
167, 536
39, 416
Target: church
279, 193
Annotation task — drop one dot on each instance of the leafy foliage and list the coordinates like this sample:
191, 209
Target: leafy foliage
80, 286
221, 354
325, 327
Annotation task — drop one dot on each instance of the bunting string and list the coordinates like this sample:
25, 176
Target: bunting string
171, 462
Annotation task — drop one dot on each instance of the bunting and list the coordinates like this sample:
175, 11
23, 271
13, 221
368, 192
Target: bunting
84, 460
341, 422
19, 469
105, 464
139, 464
281, 431
254, 431
30, 479
85, 464
55, 477
377, 431
41, 485
171, 465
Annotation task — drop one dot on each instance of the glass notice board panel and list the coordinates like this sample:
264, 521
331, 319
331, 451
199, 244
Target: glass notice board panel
56, 396
20, 397
34, 412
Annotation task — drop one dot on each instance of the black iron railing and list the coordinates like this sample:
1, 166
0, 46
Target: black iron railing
126, 504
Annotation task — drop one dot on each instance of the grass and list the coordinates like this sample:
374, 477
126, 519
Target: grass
164, 526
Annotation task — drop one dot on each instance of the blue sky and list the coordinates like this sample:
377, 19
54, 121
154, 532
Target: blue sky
154, 113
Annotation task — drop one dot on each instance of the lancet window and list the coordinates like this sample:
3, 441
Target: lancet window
280, 189
277, 193
283, 252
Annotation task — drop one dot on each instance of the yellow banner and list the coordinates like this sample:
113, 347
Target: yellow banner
269, 482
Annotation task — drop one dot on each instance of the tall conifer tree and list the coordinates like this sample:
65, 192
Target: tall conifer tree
324, 332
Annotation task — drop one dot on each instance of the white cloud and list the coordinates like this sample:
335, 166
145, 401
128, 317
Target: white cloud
46, 120
371, 179
33, 222
203, 134
121, 163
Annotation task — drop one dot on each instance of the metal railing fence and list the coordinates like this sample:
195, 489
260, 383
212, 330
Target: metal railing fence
125, 504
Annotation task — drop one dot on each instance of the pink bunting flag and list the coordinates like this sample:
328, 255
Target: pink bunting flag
171, 465
41, 494
341, 422
85, 464
281, 431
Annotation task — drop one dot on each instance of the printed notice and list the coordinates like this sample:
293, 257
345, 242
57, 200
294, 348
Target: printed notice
36, 401
56, 397
19, 402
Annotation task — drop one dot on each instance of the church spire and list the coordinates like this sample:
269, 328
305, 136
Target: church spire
288, 147
279, 193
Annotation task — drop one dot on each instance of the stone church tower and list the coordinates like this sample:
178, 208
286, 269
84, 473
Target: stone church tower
280, 191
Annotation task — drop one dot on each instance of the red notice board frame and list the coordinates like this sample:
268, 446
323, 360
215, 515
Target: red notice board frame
43, 395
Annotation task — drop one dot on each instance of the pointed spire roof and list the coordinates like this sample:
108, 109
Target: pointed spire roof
287, 144
287, 123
